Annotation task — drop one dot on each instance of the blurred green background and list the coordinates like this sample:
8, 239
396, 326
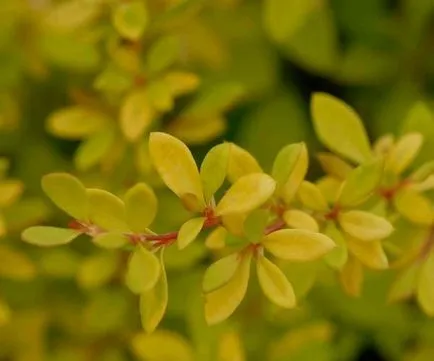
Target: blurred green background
258, 63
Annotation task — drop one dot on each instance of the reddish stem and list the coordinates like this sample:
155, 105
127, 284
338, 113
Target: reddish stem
279, 224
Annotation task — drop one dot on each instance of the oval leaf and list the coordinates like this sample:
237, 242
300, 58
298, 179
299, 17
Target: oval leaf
334, 166
311, 197
241, 163
130, 19
365, 226
274, 284
300, 220
246, 194
371, 254
189, 231
338, 256
110, 240
143, 270
140, 207
220, 272
351, 277
217, 238
414, 207
297, 244
49, 236
404, 152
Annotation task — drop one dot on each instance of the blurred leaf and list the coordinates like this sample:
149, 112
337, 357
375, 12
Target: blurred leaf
414, 206
365, 226
371, 254
338, 256
311, 197
130, 19
15, 265
162, 54
425, 286
97, 270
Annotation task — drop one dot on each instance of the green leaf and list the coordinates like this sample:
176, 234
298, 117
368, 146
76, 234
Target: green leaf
423, 172
220, 272
140, 207
130, 19
334, 166
214, 169
425, 285
255, 224
405, 284
297, 244
189, 231
67, 193
274, 283
76, 122
365, 226
106, 210
153, 303
340, 128
414, 206
289, 170
160, 96
49, 236
311, 197
110, 240
143, 271
16, 265
246, 194
162, 54
338, 256
361, 183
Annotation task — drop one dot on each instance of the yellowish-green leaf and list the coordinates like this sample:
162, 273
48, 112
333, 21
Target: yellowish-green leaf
214, 169
234, 223
425, 285
297, 244
351, 277
426, 185
330, 188
297, 219
143, 271
217, 239
334, 166
247, 193
361, 183
10, 191
110, 240
289, 169
274, 284
153, 303
189, 231
49, 236
221, 272
414, 206
176, 166
106, 210
311, 197
160, 96
130, 19
241, 163
136, 115
371, 254
255, 224
76, 122
230, 347
140, 207
404, 152
339, 127
221, 303
423, 172
338, 256
162, 54
67, 193
15, 265
405, 284
384, 145
97, 270
162, 345
365, 226
3, 227
5, 313
181, 82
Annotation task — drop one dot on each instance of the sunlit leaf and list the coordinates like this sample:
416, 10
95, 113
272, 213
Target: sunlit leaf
140, 207
67, 193
311, 197
340, 128
351, 277
217, 238
130, 19
414, 206
189, 231
246, 194
425, 285
49, 236
371, 254
220, 272
404, 152
274, 284
297, 244
241, 163
297, 219
143, 271
365, 226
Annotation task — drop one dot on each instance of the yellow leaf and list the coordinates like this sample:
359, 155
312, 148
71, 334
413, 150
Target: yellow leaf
300, 220
425, 285
217, 238
311, 197
15, 265
140, 207
136, 115
371, 254
76, 122
334, 166
97, 270
153, 303
130, 19
425, 185
404, 152
365, 226
384, 145
106, 210
176, 166
241, 163
143, 270
181, 82
274, 284
221, 303
230, 347
247, 193
234, 223
220, 272
297, 244
189, 231
110, 240
414, 206
10, 191
329, 187
405, 284
340, 128
162, 345
351, 277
